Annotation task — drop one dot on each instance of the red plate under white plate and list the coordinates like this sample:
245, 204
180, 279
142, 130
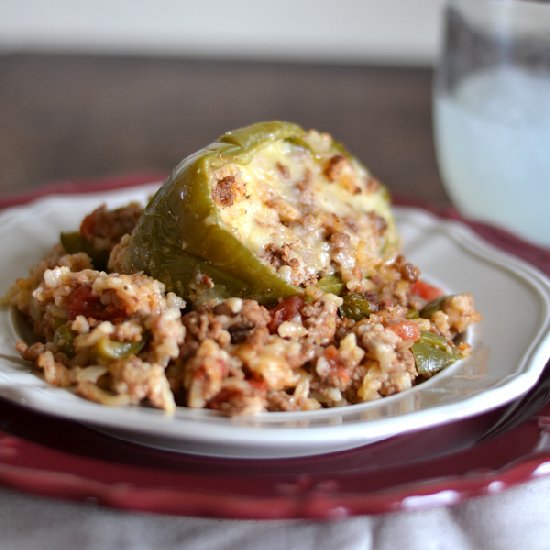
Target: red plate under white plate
437, 465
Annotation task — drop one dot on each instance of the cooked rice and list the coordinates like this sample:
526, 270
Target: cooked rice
123, 340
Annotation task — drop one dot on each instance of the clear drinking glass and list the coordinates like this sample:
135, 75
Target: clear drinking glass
492, 112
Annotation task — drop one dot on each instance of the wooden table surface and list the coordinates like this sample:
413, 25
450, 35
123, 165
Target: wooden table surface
79, 116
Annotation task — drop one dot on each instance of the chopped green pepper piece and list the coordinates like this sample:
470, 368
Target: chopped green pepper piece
431, 307
433, 339
73, 242
331, 284
205, 222
355, 306
412, 313
431, 354
113, 350
64, 339
58, 322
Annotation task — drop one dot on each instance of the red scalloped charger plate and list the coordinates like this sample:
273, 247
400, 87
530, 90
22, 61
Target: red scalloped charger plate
442, 465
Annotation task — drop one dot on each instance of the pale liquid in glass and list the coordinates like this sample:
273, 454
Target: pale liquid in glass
493, 141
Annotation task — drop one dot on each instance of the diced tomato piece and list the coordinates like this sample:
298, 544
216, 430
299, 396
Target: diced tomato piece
405, 329
287, 309
338, 371
426, 291
81, 302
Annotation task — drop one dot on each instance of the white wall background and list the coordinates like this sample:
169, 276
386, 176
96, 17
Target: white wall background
355, 31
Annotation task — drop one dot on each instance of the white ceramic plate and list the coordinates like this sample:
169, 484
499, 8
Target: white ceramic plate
510, 347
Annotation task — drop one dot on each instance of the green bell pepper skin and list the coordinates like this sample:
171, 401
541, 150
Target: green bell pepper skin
64, 339
73, 242
113, 350
432, 307
331, 284
355, 306
431, 354
412, 313
182, 236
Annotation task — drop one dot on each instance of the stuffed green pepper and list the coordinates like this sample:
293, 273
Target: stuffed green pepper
263, 212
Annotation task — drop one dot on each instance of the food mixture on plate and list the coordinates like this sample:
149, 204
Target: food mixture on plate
264, 275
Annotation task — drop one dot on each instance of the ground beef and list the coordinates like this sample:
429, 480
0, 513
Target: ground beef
123, 340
